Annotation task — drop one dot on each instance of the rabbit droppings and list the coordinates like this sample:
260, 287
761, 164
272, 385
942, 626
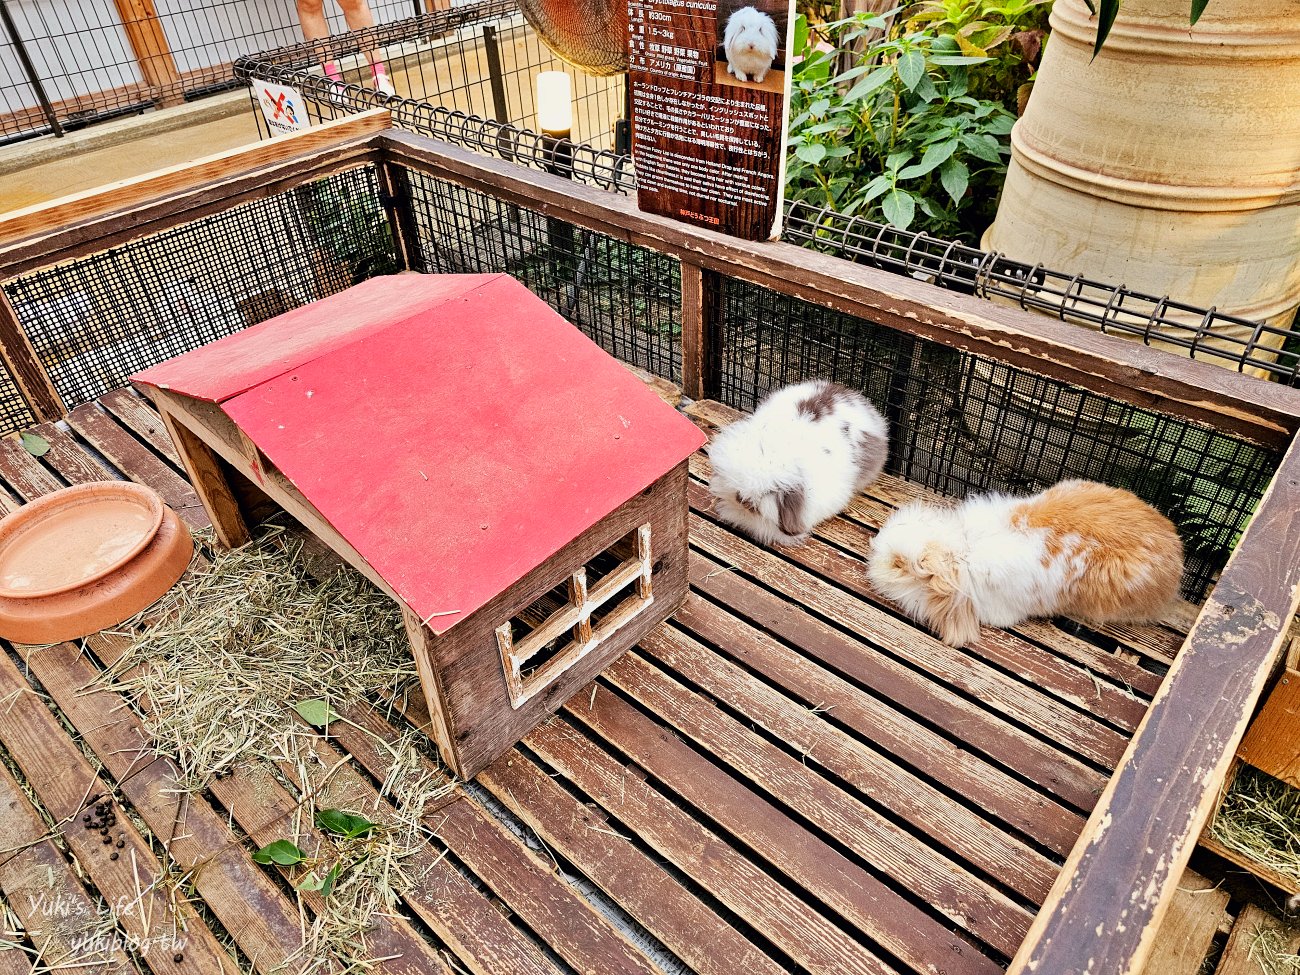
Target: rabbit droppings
750, 41
796, 461
1077, 549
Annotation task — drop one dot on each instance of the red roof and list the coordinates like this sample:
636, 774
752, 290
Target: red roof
453, 428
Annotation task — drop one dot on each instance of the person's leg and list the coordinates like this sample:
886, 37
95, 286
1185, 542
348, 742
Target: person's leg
311, 17
357, 14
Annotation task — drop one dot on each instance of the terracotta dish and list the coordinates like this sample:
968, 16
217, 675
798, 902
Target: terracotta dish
85, 558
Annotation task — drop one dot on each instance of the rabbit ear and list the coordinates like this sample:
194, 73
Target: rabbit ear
952, 612
789, 507
768, 30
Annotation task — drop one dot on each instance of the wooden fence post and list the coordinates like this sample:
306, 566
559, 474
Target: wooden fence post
149, 44
25, 366
701, 378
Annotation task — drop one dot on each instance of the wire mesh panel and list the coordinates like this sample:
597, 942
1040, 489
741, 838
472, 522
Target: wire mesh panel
624, 297
471, 69
1197, 333
95, 321
961, 423
95, 63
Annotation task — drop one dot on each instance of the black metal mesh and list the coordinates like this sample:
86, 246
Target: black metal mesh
961, 423
465, 76
626, 298
82, 55
96, 320
14, 412
1197, 333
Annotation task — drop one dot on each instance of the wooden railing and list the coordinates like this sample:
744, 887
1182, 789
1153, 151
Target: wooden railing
1102, 913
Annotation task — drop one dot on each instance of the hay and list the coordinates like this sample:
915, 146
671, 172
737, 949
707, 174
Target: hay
216, 669
245, 638
1260, 818
1270, 950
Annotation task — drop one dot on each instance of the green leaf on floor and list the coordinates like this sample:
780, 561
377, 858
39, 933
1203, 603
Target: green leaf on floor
315, 712
35, 445
343, 823
281, 851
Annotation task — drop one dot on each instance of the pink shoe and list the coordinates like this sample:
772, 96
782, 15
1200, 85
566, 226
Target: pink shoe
382, 81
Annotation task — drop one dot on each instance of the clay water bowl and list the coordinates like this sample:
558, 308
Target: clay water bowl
86, 558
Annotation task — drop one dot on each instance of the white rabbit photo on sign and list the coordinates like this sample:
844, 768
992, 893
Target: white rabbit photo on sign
751, 44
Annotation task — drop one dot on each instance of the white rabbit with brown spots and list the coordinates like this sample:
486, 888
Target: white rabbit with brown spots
797, 460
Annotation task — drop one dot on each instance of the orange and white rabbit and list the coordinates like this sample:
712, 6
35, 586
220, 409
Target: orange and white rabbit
1078, 549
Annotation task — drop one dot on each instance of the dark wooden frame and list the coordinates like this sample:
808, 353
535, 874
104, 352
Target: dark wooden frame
1103, 912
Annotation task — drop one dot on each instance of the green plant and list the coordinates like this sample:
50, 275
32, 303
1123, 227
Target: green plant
1009, 33
897, 136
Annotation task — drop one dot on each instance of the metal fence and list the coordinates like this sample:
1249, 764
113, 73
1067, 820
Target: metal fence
65, 64
463, 75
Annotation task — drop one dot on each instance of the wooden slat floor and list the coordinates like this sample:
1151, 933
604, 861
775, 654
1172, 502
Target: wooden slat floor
786, 776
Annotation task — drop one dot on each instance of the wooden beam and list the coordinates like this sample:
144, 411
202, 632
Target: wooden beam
25, 366
1151, 378
699, 334
148, 42
1103, 912
53, 218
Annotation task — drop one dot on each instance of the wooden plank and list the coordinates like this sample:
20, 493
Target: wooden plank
790, 785
566, 922
25, 367
131, 457
88, 205
137, 414
241, 895
1042, 671
938, 760
1199, 908
14, 961
1067, 729
1239, 954
909, 690
128, 875
210, 484
1150, 378
45, 895
690, 929
1272, 743
1142, 832
462, 917
766, 904
23, 472
148, 42
1261, 870
875, 776
864, 902
265, 811
65, 455
699, 333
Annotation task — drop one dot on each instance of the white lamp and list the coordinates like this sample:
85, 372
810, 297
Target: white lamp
554, 104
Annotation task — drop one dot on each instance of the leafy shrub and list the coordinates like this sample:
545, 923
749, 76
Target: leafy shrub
1009, 33
898, 136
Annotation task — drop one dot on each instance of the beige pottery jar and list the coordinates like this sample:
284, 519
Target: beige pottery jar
1170, 163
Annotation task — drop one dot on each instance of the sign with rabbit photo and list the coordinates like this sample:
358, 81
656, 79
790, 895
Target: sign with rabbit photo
710, 84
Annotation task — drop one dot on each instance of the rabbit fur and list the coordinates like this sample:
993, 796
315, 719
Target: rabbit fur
1078, 549
796, 461
750, 41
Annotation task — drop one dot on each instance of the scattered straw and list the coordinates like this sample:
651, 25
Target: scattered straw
220, 664
246, 638
1269, 949
1260, 817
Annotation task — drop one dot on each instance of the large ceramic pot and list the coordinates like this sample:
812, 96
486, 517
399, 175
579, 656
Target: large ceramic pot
1171, 162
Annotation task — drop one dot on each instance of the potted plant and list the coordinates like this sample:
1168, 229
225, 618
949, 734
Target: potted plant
1167, 159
